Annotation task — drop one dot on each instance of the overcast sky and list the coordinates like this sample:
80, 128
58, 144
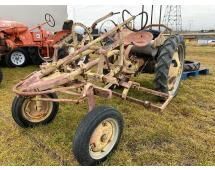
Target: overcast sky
193, 17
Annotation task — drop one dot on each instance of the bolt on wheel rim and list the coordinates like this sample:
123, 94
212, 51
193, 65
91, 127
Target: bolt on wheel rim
175, 72
36, 111
17, 58
103, 138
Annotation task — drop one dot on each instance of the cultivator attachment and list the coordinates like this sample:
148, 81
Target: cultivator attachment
133, 85
95, 67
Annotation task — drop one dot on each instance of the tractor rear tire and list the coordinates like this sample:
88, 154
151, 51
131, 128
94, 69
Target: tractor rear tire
1, 76
174, 45
23, 111
97, 135
191, 65
37, 59
34, 56
17, 58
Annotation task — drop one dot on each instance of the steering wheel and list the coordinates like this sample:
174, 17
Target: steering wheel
83, 39
49, 20
134, 29
110, 38
102, 25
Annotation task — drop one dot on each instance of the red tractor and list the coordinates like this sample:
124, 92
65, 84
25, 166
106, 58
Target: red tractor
20, 45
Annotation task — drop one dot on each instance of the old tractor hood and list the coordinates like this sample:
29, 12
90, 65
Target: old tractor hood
11, 27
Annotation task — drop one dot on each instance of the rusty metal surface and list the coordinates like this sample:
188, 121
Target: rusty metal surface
11, 27
140, 39
79, 81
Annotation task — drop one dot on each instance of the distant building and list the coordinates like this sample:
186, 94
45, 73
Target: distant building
206, 41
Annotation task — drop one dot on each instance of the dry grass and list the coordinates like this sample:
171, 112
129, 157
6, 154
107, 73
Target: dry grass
183, 135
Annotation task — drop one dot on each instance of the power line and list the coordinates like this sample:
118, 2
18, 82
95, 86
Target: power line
172, 17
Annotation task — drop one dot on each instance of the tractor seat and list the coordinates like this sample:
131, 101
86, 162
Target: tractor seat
138, 39
67, 25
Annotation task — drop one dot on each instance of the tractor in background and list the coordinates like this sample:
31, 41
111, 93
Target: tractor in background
20, 45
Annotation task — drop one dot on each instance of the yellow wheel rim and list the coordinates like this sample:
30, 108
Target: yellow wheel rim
175, 71
36, 111
103, 138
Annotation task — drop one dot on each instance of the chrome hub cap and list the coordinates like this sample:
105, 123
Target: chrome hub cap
18, 58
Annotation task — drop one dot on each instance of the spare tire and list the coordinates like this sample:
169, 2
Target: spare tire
191, 65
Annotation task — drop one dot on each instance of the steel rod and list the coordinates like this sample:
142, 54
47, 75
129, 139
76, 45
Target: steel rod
138, 101
59, 100
152, 11
157, 93
142, 16
160, 17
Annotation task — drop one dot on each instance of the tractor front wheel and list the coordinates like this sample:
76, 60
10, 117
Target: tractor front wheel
17, 58
97, 135
28, 112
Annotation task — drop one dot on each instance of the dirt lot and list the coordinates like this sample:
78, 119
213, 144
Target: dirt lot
183, 135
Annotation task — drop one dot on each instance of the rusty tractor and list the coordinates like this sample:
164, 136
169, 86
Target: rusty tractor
20, 45
114, 58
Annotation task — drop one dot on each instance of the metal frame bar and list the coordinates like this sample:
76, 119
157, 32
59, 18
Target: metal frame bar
42, 85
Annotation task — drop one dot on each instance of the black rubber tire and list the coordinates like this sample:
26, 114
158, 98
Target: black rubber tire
21, 121
34, 56
191, 65
2, 61
8, 61
87, 127
164, 59
1, 76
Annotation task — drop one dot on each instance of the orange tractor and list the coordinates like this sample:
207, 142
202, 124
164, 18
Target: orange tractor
20, 45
